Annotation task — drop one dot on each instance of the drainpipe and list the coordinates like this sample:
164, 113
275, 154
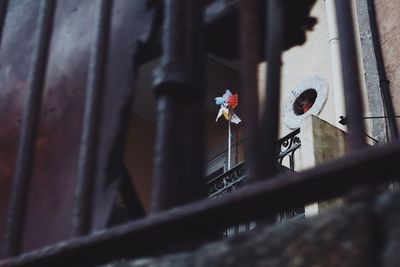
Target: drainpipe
336, 68
383, 80
337, 79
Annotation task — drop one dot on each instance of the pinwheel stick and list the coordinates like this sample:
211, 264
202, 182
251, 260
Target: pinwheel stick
229, 141
228, 103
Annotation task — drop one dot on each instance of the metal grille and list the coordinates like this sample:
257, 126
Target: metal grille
178, 179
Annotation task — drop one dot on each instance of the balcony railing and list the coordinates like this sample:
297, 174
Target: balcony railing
287, 146
228, 181
235, 178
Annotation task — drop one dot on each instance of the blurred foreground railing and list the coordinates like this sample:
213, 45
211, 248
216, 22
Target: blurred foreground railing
177, 205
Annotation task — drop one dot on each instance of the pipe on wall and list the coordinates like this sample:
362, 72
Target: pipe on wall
336, 68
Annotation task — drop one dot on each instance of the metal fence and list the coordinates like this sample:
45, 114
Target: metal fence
235, 178
177, 209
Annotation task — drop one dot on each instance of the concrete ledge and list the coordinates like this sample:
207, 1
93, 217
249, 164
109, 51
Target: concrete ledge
360, 234
387, 212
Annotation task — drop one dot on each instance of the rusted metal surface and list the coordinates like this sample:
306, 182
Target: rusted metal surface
11, 102
351, 75
29, 126
250, 48
178, 166
269, 125
156, 233
5, 167
50, 194
89, 141
131, 23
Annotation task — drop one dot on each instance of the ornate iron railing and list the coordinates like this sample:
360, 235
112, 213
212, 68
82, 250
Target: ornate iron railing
228, 181
234, 178
287, 146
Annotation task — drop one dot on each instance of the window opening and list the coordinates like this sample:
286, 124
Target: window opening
304, 101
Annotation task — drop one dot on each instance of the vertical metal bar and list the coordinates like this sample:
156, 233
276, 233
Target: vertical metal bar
291, 158
3, 13
92, 114
168, 153
351, 75
30, 121
270, 117
178, 166
250, 55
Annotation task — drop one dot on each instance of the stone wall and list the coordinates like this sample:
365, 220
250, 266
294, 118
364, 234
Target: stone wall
374, 105
320, 143
359, 234
389, 27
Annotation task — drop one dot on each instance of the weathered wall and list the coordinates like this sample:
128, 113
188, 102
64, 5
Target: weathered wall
374, 103
320, 142
389, 27
360, 234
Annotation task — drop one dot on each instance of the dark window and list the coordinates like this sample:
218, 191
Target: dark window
304, 101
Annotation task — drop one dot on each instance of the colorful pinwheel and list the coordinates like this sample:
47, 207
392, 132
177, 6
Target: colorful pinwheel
228, 102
